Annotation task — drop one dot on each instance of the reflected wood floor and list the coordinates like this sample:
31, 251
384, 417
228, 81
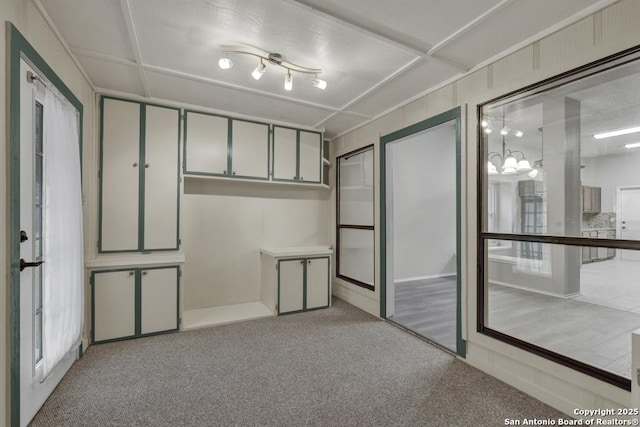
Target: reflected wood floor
428, 308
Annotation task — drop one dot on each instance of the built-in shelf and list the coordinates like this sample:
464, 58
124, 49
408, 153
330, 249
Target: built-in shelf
134, 260
225, 314
273, 184
294, 251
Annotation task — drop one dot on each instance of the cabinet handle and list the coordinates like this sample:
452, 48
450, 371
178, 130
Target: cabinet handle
135, 165
301, 178
144, 273
131, 273
295, 177
309, 262
147, 165
233, 173
302, 262
224, 172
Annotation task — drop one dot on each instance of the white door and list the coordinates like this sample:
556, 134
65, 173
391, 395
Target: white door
317, 283
290, 286
159, 300
33, 392
629, 220
161, 178
310, 156
250, 149
284, 153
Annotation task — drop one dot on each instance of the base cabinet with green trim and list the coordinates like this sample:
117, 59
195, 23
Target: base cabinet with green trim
130, 303
139, 177
296, 279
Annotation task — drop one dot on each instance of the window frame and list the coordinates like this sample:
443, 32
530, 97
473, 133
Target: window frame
340, 226
484, 237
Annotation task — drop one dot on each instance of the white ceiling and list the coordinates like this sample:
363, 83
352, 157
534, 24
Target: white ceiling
375, 54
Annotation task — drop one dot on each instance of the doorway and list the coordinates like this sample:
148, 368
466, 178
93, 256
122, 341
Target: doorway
421, 237
628, 223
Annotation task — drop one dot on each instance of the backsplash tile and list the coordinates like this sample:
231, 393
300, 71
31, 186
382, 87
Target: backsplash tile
598, 221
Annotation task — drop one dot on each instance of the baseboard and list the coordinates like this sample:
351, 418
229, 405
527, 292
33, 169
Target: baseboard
537, 291
432, 276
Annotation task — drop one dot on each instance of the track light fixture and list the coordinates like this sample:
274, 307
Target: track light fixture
272, 59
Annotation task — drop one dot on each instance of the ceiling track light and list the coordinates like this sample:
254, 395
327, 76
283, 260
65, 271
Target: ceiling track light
273, 59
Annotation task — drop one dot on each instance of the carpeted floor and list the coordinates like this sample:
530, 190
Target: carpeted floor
334, 367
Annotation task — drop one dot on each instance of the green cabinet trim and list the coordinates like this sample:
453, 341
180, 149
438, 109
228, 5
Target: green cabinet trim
304, 283
229, 169
297, 177
141, 178
138, 302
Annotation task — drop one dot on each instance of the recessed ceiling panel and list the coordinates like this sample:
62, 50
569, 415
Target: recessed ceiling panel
340, 123
421, 77
235, 101
95, 25
187, 35
515, 23
112, 75
421, 24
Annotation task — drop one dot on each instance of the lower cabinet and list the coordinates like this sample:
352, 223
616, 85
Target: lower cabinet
303, 284
134, 302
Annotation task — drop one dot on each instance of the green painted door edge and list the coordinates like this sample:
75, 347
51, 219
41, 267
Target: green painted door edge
141, 174
453, 114
17, 47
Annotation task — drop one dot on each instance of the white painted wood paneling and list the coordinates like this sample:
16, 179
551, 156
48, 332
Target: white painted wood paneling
112, 75
284, 153
250, 149
567, 48
620, 21
207, 139
290, 286
114, 305
159, 300
310, 156
161, 178
120, 175
317, 283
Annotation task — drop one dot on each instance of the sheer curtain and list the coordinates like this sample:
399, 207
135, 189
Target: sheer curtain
62, 288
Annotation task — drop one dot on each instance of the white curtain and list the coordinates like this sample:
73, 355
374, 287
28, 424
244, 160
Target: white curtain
62, 289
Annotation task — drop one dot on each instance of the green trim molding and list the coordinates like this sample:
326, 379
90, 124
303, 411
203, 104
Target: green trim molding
18, 47
454, 114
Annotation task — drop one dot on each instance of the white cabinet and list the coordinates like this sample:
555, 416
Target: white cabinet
221, 146
296, 279
134, 302
139, 172
297, 155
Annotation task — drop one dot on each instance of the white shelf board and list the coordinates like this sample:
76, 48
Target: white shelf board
326, 162
132, 260
282, 184
225, 314
293, 251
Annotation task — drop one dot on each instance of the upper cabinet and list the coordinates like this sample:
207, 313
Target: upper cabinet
139, 177
216, 145
297, 155
591, 199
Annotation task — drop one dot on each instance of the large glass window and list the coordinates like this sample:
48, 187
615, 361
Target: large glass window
560, 239
355, 233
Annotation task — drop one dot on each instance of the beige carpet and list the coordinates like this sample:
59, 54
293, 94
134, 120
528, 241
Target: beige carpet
334, 367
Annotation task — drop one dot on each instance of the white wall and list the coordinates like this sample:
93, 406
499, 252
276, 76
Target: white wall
609, 173
423, 168
25, 16
606, 32
224, 225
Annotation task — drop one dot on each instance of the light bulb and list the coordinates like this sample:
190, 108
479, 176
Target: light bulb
225, 63
288, 81
484, 123
519, 133
504, 131
491, 168
319, 83
259, 71
523, 166
533, 173
488, 130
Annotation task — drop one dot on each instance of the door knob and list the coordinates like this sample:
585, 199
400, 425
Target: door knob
624, 222
147, 165
624, 228
24, 264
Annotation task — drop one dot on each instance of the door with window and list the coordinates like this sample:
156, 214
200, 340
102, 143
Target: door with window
40, 367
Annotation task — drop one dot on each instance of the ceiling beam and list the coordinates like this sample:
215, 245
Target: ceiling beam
406, 45
103, 56
135, 45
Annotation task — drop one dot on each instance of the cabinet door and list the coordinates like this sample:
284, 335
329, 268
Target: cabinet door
310, 156
161, 189
285, 154
113, 300
250, 149
317, 283
290, 285
120, 174
206, 141
158, 300
586, 199
596, 201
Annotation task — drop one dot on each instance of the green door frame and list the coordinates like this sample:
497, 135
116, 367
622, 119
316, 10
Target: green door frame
454, 114
18, 47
